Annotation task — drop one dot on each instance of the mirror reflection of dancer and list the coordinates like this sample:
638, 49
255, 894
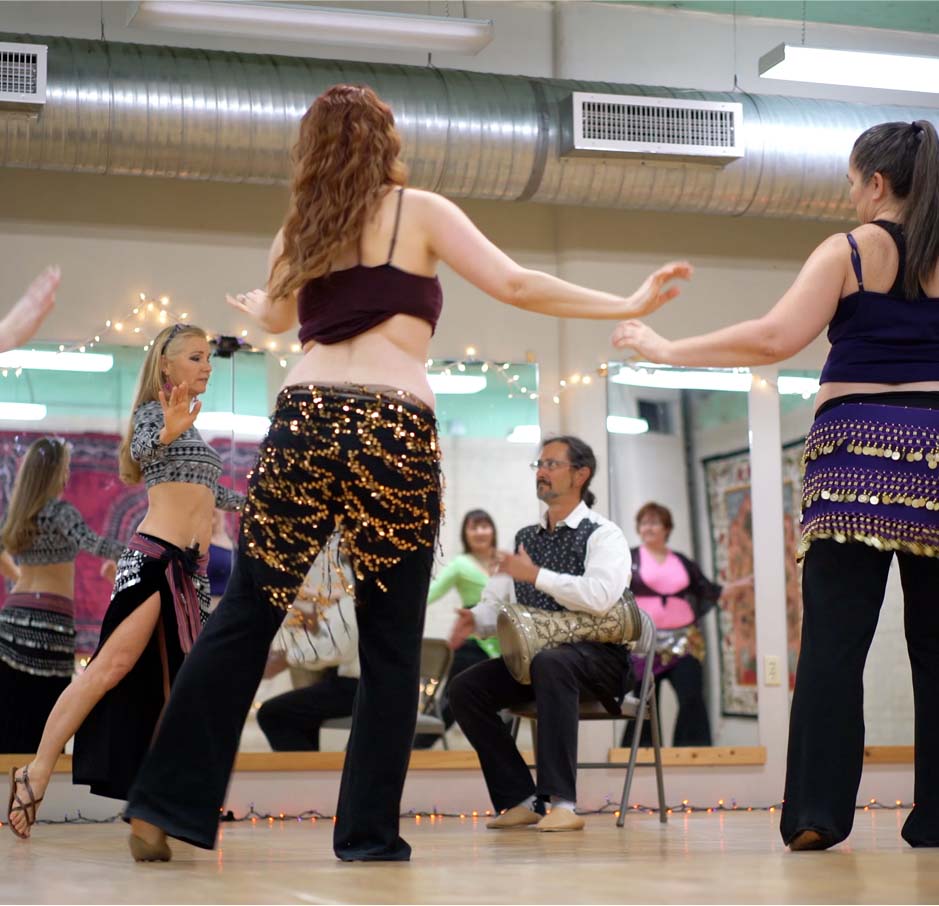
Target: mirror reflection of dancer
39, 541
352, 446
160, 593
24, 318
869, 488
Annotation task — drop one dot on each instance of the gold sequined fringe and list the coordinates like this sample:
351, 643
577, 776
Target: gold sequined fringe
361, 463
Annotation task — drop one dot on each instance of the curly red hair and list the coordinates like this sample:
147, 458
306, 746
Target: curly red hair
344, 161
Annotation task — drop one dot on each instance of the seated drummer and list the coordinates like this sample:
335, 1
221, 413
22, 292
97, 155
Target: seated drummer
573, 560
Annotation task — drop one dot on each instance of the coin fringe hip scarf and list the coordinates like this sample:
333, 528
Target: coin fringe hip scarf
870, 475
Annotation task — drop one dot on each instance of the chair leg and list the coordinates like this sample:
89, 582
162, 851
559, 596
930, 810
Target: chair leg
630, 770
657, 748
516, 723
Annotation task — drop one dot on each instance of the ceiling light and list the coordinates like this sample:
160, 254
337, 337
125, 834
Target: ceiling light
643, 374
797, 386
22, 412
525, 434
862, 69
320, 25
625, 424
50, 360
445, 384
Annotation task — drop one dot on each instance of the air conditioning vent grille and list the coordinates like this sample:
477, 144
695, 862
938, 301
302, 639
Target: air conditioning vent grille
661, 125
18, 72
620, 125
22, 76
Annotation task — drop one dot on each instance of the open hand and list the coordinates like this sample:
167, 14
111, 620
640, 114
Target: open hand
178, 417
463, 628
647, 344
655, 292
519, 566
254, 303
25, 317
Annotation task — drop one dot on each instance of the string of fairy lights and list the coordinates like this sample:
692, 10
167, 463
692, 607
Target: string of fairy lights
435, 815
149, 314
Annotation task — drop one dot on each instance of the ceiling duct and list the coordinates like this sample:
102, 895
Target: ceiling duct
146, 110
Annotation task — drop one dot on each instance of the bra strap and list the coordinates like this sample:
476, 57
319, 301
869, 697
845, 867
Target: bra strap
394, 235
856, 261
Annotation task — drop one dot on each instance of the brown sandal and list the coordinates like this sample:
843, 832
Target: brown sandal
27, 808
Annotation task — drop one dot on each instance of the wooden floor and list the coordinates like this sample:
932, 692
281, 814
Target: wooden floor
729, 858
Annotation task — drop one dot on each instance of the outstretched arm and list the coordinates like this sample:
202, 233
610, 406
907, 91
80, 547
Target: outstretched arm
793, 322
455, 239
24, 318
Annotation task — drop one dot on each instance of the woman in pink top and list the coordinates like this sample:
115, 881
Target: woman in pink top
675, 592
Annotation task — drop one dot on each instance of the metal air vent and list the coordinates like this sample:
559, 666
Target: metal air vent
22, 77
615, 125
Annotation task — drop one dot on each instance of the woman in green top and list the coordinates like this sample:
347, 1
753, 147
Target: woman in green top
467, 573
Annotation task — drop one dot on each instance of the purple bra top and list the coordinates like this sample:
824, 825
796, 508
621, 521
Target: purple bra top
883, 338
343, 304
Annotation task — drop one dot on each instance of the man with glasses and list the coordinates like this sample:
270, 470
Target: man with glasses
573, 559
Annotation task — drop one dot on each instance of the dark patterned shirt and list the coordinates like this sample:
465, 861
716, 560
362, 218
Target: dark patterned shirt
60, 534
187, 459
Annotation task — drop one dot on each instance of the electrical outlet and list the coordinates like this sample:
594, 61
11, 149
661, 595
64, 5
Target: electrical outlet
772, 673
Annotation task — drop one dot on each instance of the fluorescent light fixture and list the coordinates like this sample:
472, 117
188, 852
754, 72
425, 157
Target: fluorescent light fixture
453, 384
312, 24
22, 412
863, 69
230, 423
525, 434
643, 374
626, 424
50, 360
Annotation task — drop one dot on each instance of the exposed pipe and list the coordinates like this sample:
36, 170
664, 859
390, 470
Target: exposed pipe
147, 110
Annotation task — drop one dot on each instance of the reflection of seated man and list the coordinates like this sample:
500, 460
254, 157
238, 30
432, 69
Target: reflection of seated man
291, 721
574, 560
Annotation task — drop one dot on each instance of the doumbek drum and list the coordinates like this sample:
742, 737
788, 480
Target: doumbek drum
524, 631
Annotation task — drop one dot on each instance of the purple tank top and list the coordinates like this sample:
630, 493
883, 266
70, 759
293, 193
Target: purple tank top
343, 304
883, 338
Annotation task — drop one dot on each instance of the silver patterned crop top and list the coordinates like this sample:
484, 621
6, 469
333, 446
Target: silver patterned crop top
60, 534
188, 458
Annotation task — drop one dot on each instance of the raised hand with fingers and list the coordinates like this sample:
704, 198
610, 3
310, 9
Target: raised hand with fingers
254, 303
179, 413
463, 628
655, 291
24, 318
647, 344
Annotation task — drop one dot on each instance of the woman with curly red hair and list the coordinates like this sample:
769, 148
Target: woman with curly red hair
352, 448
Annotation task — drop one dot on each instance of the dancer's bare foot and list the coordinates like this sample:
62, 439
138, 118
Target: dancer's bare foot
148, 842
27, 788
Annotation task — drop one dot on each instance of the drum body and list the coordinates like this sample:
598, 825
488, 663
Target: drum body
524, 631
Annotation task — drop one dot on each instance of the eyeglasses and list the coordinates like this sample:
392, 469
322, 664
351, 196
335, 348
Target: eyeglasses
549, 464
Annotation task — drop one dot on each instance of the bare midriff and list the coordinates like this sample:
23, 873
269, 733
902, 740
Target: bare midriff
181, 513
835, 389
392, 354
48, 578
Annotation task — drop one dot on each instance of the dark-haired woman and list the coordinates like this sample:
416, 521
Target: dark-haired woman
352, 447
39, 541
468, 573
870, 489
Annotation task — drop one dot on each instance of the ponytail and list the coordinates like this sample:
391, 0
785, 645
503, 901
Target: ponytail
921, 218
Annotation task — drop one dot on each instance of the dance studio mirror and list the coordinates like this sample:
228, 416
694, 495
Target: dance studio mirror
679, 438
488, 417
888, 688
